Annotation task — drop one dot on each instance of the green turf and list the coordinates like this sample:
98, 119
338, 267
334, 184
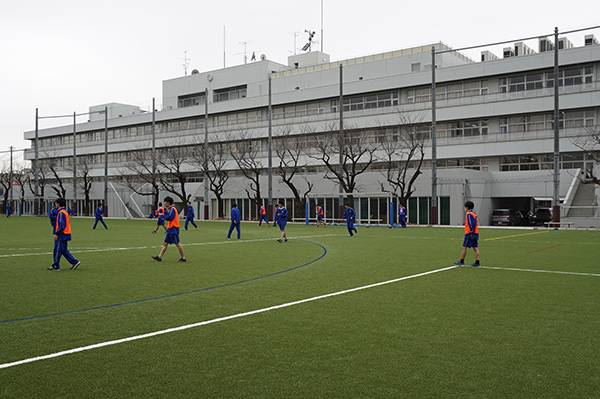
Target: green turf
459, 333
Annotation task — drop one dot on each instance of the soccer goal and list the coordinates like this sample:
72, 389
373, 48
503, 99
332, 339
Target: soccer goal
372, 209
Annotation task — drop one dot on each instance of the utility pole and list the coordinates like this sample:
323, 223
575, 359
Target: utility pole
37, 203
434, 199
270, 143
341, 142
556, 196
75, 161
206, 203
105, 160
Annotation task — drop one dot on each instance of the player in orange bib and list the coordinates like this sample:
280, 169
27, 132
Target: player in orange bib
62, 235
172, 236
471, 235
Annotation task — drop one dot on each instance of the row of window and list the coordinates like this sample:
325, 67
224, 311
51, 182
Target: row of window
574, 75
543, 161
545, 121
369, 101
448, 91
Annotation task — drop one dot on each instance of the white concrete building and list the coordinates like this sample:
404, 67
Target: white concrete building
494, 129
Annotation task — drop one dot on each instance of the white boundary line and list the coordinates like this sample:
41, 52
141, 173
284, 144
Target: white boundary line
79, 251
203, 323
540, 271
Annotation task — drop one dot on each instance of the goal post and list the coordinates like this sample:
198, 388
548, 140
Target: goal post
372, 209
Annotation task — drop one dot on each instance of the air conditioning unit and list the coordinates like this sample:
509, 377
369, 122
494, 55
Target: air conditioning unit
488, 56
590, 40
522, 49
564, 43
545, 44
508, 52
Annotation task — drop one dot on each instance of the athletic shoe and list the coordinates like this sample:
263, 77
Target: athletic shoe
286, 240
459, 263
475, 264
157, 258
75, 266
227, 238
279, 240
53, 269
182, 260
153, 232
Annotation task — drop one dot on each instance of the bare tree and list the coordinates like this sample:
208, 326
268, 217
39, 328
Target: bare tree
139, 173
171, 163
403, 149
245, 153
211, 161
20, 176
290, 149
84, 180
5, 182
42, 182
346, 156
590, 143
52, 163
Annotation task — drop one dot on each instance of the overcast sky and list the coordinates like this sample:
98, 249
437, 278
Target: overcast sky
64, 56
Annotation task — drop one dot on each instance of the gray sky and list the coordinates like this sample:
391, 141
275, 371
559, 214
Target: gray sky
63, 56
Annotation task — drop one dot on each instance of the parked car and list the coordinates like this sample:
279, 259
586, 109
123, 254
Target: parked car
507, 217
543, 215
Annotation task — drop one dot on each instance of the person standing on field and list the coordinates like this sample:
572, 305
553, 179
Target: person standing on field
320, 215
402, 215
99, 212
235, 221
172, 217
350, 217
281, 216
62, 235
160, 212
189, 217
471, 235
263, 216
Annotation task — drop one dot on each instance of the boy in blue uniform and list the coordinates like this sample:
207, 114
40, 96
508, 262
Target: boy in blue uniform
62, 235
99, 212
160, 212
8, 210
281, 217
189, 218
350, 217
235, 221
172, 237
402, 215
471, 235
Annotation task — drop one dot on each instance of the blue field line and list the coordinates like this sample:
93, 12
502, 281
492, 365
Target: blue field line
179, 294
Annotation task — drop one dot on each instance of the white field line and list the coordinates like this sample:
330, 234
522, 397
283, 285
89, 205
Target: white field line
203, 323
540, 271
233, 241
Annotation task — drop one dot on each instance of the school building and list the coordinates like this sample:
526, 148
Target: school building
494, 125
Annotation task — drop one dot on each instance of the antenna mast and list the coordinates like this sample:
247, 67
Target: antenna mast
185, 62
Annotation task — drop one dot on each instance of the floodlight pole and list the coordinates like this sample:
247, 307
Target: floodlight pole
556, 196
206, 203
105, 206
341, 141
154, 150
10, 180
270, 143
36, 166
434, 202
75, 161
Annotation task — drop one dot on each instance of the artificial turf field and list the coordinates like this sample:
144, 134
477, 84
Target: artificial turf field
432, 330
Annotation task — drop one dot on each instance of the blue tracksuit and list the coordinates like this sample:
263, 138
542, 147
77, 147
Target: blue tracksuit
60, 245
402, 215
282, 215
99, 212
235, 222
189, 218
350, 217
53, 215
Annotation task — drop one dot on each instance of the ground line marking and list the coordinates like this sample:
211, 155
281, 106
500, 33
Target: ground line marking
203, 323
540, 271
516, 235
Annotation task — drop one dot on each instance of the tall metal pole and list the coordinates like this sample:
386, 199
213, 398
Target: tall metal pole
36, 201
75, 161
270, 144
434, 200
321, 26
341, 141
206, 202
154, 147
556, 196
105, 161
10, 180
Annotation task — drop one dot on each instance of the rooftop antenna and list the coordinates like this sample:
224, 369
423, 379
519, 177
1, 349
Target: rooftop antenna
311, 34
185, 62
321, 25
295, 36
245, 52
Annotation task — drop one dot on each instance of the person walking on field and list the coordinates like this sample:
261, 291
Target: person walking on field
471, 235
160, 212
320, 215
350, 217
172, 217
189, 217
62, 235
235, 221
263, 216
99, 213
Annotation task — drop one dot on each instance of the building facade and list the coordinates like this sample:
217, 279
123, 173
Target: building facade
494, 126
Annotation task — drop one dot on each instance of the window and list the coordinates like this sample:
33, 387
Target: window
190, 100
230, 93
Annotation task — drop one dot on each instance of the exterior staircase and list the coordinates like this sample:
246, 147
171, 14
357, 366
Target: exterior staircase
583, 198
